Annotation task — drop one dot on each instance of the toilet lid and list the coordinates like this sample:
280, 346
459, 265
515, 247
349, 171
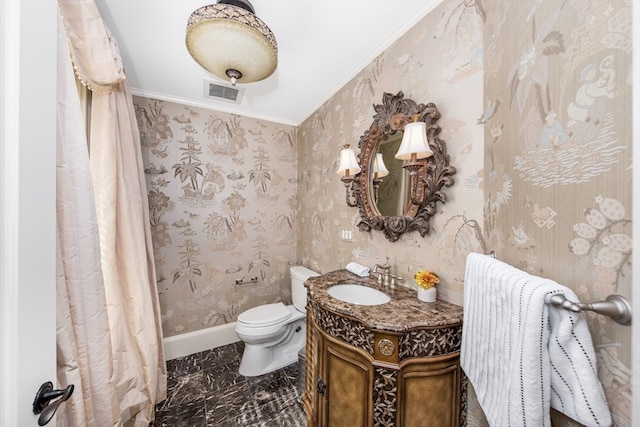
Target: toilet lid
265, 315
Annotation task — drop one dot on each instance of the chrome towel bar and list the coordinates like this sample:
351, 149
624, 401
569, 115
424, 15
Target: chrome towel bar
615, 306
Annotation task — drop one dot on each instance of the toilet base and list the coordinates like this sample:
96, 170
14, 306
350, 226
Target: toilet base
258, 359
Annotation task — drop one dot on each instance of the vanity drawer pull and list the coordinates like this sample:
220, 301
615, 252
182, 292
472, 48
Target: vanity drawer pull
321, 386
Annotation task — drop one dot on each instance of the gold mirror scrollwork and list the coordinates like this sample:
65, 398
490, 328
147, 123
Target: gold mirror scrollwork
390, 118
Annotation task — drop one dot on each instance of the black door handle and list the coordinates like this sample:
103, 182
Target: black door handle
321, 386
42, 405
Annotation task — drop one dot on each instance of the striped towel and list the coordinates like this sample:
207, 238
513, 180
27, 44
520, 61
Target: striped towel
523, 355
358, 269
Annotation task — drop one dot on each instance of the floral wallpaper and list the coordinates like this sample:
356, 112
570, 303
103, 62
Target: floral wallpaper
440, 60
535, 97
560, 138
222, 198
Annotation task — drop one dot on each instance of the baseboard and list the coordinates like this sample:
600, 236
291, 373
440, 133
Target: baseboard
197, 341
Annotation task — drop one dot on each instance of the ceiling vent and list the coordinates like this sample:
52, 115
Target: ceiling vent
222, 92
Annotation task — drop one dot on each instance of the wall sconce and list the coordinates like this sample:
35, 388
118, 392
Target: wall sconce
413, 148
379, 171
347, 169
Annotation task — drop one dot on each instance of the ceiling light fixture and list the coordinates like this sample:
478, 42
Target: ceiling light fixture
231, 42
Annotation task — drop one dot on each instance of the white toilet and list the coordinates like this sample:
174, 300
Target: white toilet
273, 334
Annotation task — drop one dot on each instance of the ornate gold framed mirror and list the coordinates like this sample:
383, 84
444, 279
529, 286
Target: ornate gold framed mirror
399, 196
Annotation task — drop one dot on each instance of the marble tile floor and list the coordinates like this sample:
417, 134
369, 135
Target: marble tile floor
206, 390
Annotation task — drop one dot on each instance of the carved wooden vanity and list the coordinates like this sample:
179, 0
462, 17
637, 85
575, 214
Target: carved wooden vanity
395, 364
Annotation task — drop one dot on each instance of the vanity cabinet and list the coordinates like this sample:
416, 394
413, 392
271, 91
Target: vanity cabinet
344, 385
391, 365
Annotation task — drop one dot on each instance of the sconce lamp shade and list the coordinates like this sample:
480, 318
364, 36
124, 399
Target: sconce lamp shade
229, 41
414, 141
379, 167
348, 164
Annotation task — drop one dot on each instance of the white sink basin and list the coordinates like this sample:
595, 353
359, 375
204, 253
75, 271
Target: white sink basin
358, 294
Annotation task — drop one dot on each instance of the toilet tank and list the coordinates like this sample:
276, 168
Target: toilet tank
299, 275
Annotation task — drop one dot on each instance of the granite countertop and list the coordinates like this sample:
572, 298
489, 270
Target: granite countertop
405, 311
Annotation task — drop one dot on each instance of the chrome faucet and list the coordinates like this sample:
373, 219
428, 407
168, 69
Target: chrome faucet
385, 277
393, 280
383, 271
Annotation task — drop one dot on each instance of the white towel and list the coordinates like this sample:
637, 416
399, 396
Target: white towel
523, 355
358, 269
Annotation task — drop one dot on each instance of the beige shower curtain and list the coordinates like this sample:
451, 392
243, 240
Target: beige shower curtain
108, 325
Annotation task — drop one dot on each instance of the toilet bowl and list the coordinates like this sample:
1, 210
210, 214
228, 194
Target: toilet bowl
273, 334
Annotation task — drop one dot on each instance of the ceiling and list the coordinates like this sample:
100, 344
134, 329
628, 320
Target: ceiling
322, 44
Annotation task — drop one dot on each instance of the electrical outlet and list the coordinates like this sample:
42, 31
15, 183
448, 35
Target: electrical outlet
346, 235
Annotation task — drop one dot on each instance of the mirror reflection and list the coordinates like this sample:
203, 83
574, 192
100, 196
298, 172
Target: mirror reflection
390, 189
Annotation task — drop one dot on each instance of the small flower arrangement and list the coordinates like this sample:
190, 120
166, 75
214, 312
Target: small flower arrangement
426, 279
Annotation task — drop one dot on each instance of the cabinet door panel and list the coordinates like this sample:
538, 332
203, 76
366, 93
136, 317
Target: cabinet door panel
349, 380
429, 394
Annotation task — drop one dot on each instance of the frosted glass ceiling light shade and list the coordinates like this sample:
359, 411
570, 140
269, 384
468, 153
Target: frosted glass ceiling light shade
414, 141
232, 43
348, 164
